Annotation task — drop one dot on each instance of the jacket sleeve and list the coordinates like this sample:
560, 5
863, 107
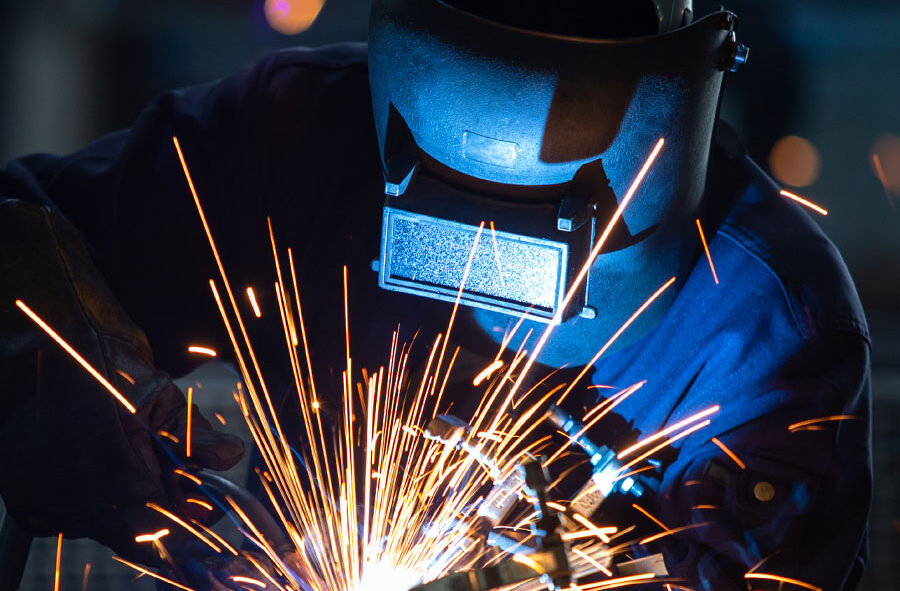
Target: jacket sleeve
793, 501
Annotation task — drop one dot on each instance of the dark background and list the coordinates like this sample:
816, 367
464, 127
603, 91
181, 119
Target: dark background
826, 73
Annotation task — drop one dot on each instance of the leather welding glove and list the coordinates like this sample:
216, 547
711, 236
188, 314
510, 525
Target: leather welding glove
73, 458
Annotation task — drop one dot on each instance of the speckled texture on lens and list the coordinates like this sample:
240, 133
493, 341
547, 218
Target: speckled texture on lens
434, 252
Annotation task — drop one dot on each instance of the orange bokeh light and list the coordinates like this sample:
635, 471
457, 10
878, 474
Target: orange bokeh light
291, 17
795, 161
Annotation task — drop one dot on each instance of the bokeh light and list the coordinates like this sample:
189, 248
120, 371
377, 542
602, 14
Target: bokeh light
290, 17
884, 158
795, 161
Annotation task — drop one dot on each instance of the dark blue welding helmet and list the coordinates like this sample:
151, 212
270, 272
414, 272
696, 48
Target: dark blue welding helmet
533, 118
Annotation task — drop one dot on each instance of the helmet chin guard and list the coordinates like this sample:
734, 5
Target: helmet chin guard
539, 136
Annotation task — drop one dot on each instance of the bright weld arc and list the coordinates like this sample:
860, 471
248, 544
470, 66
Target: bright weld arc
781, 579
81, 360
708, 256
730, 453
253, 303
152, 574
803, 201
202, 350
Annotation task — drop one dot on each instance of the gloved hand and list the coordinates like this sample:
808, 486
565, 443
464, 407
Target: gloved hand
72, 457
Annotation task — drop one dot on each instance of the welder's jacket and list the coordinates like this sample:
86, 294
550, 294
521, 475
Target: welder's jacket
780, 340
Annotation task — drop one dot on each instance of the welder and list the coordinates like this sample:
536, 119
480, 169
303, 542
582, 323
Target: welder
530, 120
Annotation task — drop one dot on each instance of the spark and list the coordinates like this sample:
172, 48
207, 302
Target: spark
708, 256
651, 518
781, 579
127, 377
523, 559
85, 576
618, 582
616, 335
202, 350
486, 372
496, 253
152, 574
169, 436
151, 537
81, 360
664, 432
668, 441
672, 531
220, 417
580, 277
803, 201
730, 453
248, 580
58, 556
252, 297
190, 477
593, 562
187, 437
806, 424
215, 536
203, 504
185, 525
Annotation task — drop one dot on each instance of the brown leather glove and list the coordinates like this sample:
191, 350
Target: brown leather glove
72, 457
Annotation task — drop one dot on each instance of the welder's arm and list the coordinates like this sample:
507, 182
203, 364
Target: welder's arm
795, 501
74, 459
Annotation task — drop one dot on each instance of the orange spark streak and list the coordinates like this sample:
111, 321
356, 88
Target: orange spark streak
619, 582
668, 441
803, 201
730, 453
601, 532
615, 336
127, 377
58, 556
152, 574
663, 433
81, 360
651, 518
202, 350
190, 477
185, 525
672, 531
203, 504
708, 256
168, 436
248, 580
496, 252
486, 372
579, 278
190, 403
809, 422
781, 579
252, 297
220, 417
151, 537
215, 536
596, 564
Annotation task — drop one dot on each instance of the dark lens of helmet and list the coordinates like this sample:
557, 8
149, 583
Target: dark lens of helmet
610, 19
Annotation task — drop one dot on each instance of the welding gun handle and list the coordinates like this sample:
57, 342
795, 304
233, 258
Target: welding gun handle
15, 544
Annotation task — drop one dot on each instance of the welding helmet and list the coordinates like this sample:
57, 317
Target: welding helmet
523, 127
